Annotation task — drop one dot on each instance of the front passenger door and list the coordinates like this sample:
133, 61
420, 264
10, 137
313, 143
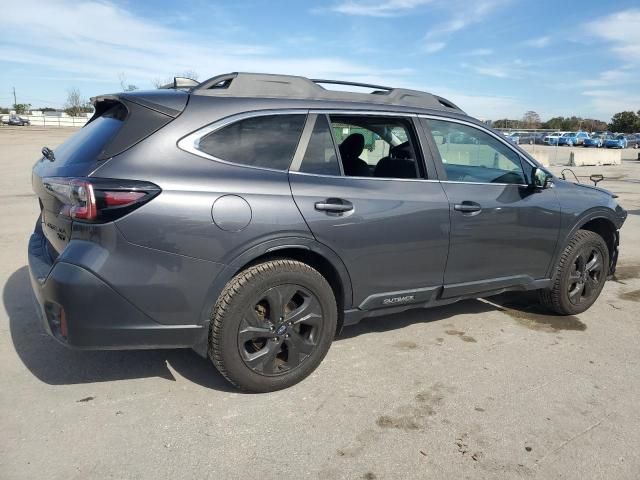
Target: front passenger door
503, 233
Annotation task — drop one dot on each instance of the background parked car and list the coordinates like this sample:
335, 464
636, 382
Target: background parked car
618, 141
595, 140
539, 138
13, 119
633, 140
573, 138
563, 139
552, 138
514, 137
527, 138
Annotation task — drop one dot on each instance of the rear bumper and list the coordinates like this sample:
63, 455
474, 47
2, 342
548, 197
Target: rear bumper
81, 310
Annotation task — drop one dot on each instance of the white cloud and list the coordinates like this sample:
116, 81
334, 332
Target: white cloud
513, 69
461, 16
389, 8
479, 52
622, 30
605, 102
485, 107
611, 77
538, 42
492, 71
432, 47
98, 40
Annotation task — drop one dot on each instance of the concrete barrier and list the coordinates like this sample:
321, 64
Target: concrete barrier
472, 154
594, 157
541, 155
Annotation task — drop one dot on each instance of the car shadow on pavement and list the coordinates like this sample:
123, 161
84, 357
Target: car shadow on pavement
55, 364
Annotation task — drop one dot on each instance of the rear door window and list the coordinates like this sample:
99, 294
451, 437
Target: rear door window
267, 141
320, 157
363, 146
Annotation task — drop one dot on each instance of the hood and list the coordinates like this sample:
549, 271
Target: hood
598, 189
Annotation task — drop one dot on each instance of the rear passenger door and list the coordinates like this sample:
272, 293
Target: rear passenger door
503, 233
364, 190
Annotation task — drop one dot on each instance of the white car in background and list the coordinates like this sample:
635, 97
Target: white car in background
555, 136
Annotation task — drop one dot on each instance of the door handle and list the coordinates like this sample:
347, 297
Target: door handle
467, 207
334, 205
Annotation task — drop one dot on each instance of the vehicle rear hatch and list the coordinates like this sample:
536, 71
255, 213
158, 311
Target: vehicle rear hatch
119, 122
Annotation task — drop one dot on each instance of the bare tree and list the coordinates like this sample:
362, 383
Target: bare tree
76, 104
531, 119
189, 74
126, 87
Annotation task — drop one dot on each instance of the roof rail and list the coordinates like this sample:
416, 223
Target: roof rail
263, 85
352, 84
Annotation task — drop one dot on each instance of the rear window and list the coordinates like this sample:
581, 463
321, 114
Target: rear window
267, 141
86, 145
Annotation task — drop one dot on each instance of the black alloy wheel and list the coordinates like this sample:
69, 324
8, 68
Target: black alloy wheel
585, 276
280, 329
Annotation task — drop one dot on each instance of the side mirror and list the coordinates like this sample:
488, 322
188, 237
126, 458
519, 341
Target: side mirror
540, 179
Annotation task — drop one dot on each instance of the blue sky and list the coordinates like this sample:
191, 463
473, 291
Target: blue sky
494, 58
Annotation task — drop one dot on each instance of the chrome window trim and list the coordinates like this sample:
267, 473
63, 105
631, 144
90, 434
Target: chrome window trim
191, 142
486, 183
348, 177
430, 180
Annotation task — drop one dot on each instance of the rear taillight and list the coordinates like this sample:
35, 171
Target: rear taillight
99, 199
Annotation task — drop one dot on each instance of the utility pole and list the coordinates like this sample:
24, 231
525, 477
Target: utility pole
15, 102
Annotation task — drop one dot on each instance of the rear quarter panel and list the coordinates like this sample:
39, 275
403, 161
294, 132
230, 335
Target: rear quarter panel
180, 219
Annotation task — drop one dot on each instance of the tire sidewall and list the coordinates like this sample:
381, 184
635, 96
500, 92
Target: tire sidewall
266, 277
592, 241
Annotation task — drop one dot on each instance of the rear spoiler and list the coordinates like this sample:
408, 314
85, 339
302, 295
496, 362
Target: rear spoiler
167, 102
181, 83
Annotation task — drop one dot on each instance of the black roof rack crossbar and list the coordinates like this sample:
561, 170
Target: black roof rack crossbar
351, 84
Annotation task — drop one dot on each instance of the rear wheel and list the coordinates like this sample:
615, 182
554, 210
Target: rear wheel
272, 325
580, 275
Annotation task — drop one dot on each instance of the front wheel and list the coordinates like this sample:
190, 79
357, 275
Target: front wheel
272, 325
579, 276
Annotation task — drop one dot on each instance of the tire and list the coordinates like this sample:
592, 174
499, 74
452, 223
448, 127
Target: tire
579, 275
272, 325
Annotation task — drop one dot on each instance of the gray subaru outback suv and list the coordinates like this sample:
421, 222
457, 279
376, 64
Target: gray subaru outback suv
252, 216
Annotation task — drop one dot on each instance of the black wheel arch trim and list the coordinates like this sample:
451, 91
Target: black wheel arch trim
586, 217
268, 247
